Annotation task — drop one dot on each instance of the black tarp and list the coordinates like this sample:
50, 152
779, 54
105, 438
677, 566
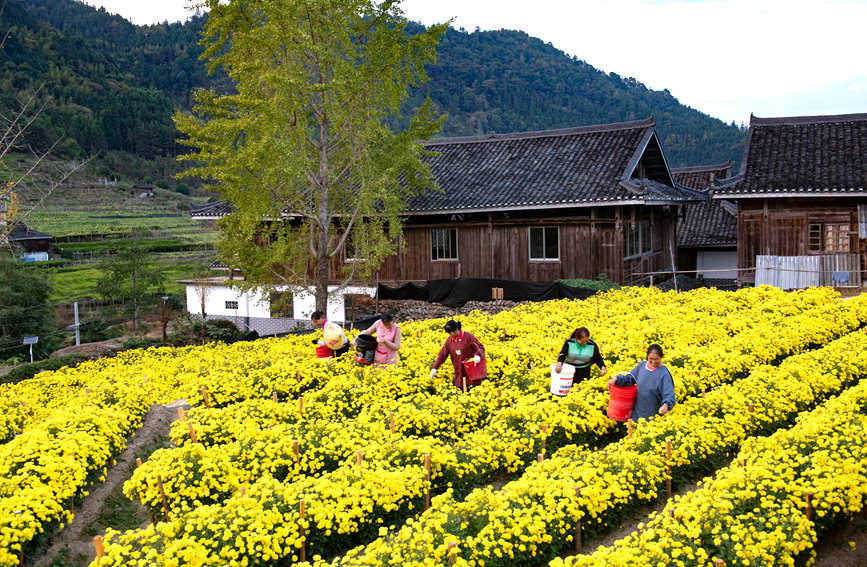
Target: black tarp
456, 292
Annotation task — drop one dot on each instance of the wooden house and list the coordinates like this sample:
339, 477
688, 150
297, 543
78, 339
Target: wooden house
31, 245
707, 232
539, 206
802, 197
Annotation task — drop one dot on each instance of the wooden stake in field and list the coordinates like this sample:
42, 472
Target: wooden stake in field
297, 376
668, 466
181, 415
451, 553
719, 563
359, 457
498, 398
629, 426
99, 547
192, 432
464, 378
577, 539
808, 500
391, 421
274, 396
204, 392
540, 457
301, 406
544, 435
163, 496
750, 407
137, 463
303, 552
427, 478
295, 451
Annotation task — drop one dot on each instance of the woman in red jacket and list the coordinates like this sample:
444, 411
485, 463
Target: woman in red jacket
462, 346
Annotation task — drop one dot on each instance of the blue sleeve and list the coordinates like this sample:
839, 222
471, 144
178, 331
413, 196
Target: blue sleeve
636, 369
667, 387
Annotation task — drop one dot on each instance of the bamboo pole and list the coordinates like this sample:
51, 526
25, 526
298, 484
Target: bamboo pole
181, 415
540, 457
629, 427
274, 396
577, 539
719, 563
359, 457
427, 478
464, 378
295, 451
192, 432
808, 500
451, 553
301, 406
204, 392
99, 547
544, 435
303, 552
391, 421
668, 466
163, 496
137, 463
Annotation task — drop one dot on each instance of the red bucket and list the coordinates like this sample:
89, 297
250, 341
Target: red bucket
324, 351
621, 401
473, 370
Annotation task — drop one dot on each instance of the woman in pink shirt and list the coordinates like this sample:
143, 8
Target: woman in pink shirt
461, 346
387, 339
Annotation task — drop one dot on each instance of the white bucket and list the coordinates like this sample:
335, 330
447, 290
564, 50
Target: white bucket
561, 382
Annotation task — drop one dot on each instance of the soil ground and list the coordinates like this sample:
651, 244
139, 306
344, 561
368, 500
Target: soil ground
106, 505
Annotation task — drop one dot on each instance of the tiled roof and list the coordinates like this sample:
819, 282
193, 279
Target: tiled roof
710, 223
555, 168
803, 156
212, 210
701, 176
583, 166
23, 232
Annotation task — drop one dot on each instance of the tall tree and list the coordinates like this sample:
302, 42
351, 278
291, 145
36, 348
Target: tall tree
25, 310
132, 276
304, 143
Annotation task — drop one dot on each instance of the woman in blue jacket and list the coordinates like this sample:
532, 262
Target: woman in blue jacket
655, 394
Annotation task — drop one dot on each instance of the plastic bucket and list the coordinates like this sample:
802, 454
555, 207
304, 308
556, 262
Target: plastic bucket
333, 336
621, 402
324, 352
561, 382
473, 370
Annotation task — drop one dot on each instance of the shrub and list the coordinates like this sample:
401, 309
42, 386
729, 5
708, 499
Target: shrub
26, 371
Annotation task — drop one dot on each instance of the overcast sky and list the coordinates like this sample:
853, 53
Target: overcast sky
727, 58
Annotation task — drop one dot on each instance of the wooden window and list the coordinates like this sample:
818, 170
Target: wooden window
232, 305
828, 237
444, 244
544, 243
638, 238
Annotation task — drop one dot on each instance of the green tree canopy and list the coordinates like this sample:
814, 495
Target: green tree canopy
24, 307
305, 140
132, 276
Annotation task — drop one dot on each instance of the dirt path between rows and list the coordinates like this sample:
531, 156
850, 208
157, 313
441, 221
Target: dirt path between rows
75, 542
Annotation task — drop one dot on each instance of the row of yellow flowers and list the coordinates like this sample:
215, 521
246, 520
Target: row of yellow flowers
192, 476
481, 450
754, 512
534, 517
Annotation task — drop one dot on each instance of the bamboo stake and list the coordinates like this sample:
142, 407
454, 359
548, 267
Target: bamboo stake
808, 499
629, 426
303, 552
205, 399
577, 539
750, 407
181, 415
452, 557
192, 432
464, 378
137, 463
668, 466
391, 421
100, 549
540, 457
359, 457
274, 396
295, 451
242, 491
544, 435
427, 478
719, 563
301, 406
671, 513
298, 376
163, 496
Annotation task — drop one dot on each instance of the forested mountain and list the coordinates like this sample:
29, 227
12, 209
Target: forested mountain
113, 85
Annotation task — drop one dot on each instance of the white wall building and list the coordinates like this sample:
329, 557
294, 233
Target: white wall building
252, 310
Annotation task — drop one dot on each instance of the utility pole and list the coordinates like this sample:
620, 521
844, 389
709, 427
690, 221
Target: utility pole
77, 334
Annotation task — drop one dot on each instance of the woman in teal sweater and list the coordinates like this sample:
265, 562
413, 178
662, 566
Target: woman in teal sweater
580, 351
